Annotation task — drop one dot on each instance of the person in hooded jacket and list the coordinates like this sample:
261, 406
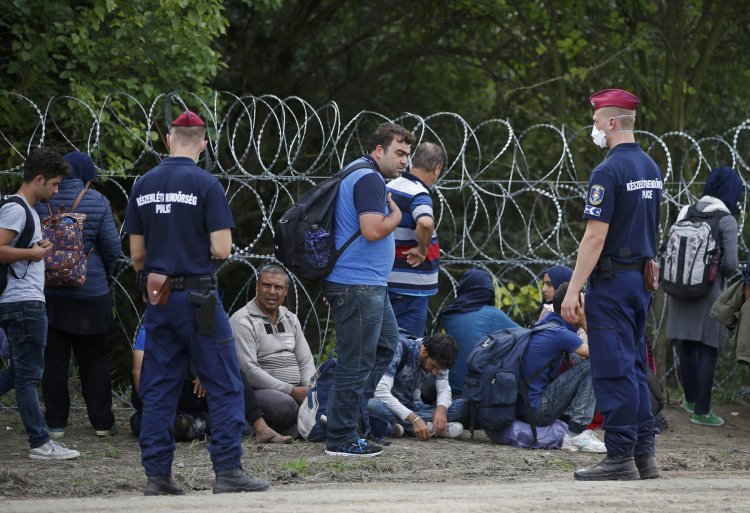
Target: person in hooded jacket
80, 317
700, 338
469, 318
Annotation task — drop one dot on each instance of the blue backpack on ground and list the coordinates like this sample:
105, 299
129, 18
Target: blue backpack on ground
495, 383
304, 237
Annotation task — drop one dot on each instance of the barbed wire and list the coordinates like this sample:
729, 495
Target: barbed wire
508, 200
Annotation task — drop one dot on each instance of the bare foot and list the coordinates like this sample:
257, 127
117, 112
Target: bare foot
269, 436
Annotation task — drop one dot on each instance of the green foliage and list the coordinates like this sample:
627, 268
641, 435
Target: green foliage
101, 52
520, 302
528, 61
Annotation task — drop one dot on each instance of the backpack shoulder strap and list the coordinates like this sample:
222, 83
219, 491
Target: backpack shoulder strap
28, 228
24, 238
80, 196
344, 173
354, 167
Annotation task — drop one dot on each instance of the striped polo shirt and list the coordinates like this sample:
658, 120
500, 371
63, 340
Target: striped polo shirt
413, 198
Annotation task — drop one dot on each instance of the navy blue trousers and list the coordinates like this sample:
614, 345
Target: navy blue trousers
173, 340
616, 312
411, 312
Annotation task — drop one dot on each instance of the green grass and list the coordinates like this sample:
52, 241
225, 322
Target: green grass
335, 467
560, 464
299, 466
111, 451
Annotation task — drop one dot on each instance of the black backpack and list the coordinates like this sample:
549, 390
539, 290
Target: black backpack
23, 241
495, 382
304, 239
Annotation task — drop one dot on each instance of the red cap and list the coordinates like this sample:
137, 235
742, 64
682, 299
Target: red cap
614, 98
188, 118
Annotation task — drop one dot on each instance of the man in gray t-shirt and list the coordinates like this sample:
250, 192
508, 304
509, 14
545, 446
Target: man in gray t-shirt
29, 284
22, 312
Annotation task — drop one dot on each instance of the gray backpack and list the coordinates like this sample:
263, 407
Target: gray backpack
691, 255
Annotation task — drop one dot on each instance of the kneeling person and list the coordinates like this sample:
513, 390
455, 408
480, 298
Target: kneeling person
397, 397
571, 393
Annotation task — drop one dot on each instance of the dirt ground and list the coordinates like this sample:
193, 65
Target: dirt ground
693, 458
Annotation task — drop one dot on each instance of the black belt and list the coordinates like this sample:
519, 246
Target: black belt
635, 266
203, 282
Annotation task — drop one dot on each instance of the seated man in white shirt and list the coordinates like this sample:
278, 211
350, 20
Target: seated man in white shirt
273, 353
397, 399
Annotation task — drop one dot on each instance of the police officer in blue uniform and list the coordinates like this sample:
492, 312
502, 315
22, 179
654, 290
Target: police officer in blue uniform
622, 212
178, 217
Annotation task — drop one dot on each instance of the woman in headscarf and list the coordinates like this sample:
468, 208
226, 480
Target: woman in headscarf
470, 317
80, 317
700, 338
552, 278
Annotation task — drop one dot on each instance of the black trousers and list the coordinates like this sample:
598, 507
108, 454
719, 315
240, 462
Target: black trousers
93, 363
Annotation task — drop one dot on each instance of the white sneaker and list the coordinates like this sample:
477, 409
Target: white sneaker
53, 451
452, 429
398, 430
589, 442
568, 444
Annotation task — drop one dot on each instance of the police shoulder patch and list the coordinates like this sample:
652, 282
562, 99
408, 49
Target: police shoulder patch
596, 194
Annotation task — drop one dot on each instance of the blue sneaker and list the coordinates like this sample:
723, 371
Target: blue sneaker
358, 449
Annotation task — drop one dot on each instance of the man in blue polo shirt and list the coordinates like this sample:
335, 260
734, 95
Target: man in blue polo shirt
414, 277
553, 394
366, 329
622, 212
178, 217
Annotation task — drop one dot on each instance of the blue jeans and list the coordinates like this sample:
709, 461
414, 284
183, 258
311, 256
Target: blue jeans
571, 393
25, 324
458, 412
366, 338
410, 312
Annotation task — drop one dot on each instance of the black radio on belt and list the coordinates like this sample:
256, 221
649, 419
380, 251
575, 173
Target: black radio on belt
140, 281
604, 266
205, 311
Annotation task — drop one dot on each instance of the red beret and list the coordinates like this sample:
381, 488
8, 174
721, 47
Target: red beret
614, 98
188, 118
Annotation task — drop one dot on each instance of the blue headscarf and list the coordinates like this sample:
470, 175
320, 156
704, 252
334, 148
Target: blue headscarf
475, 290
725, 184
558, 275
81, 166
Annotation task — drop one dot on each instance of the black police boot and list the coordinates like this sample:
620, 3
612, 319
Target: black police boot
647, 467
162, 485
609, 469
231, 481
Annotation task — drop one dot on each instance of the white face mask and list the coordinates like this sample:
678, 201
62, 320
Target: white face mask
599, 137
